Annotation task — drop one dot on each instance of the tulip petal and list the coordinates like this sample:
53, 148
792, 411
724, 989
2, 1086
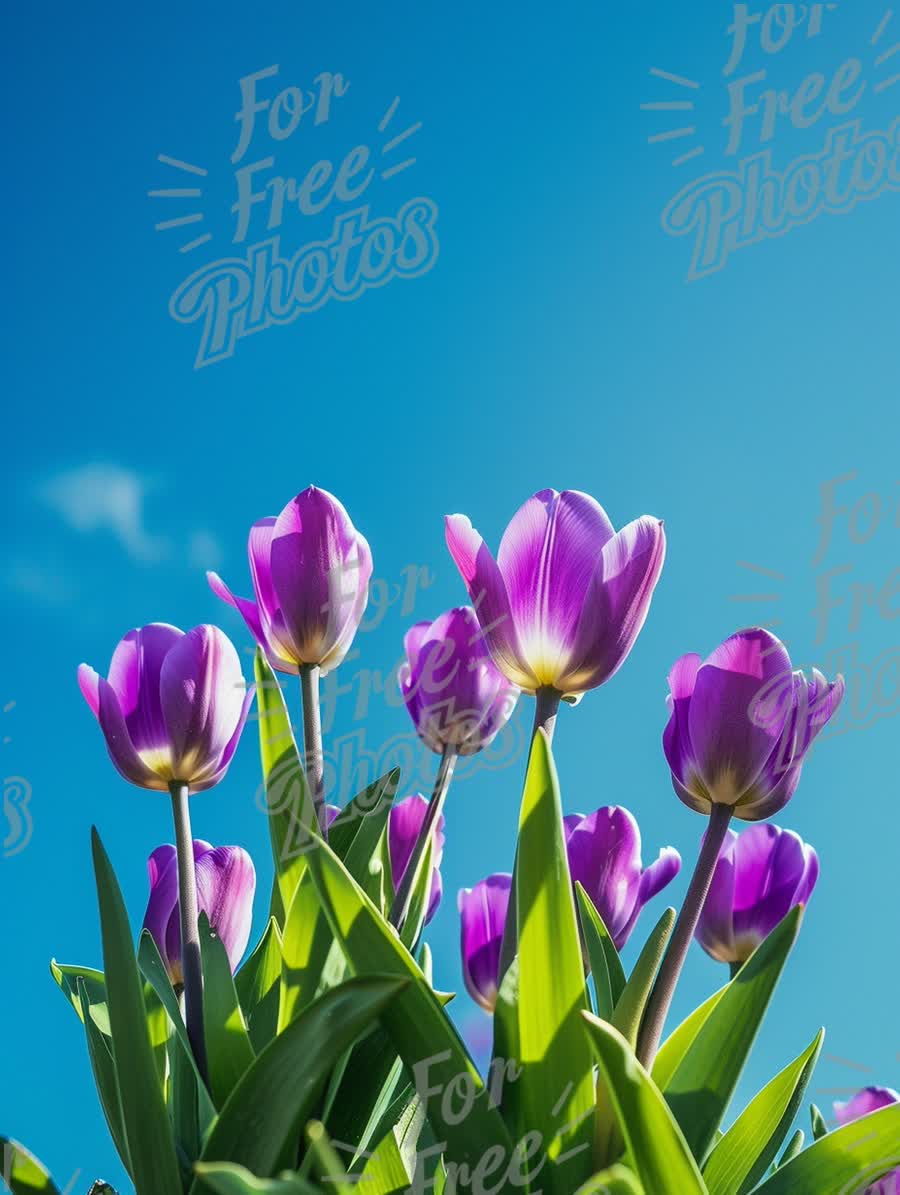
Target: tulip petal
605, 858
128, 762
548, 556
654, 878
162, 867
870, 1099
203, 699
226, 883
676, 736
715, 930
486, 588
134, 674
405, 822
736, 718
482, 920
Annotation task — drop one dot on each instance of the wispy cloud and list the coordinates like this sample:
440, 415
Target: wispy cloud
38, 583
104, 497
205, 551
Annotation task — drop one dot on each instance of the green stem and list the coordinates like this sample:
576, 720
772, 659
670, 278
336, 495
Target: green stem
546, 707
407, 886
733, 969
191, 969
312, 739
667, 980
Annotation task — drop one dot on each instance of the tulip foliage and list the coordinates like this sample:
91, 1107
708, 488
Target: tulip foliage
328, 1061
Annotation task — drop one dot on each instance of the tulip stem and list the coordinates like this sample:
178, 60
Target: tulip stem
546, 707
407, 886
667, 980
191, 968
312, 739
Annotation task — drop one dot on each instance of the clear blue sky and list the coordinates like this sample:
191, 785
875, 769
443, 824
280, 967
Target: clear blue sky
551, 338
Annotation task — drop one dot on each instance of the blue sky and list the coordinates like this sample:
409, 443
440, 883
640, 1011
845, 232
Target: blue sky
520, 318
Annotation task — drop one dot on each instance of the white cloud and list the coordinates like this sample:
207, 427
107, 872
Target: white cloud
106, 498
204, 551
38, 583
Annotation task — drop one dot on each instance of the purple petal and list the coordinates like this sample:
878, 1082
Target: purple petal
676, 736
654, 878
733, 724
773, 870
404, 825
200, 785
226, 883
104, 702
870, 1099
204, 700
715, 929
548, 557
320, 569
605, 857
162, 868
487, 590
482, 919
616, 606
134, 674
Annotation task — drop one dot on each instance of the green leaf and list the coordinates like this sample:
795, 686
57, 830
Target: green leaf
616, 1181
325, 1162
419, 901
749, 1147
292, 815
630, 1006
423, 1036
554, 1095
385, 1173
355, 832
793, 1148
845, 1161
104, 1070
67, 977
224, 1178
305, 948
704, 1081
676, 1045
656, 1147
819, 1127
22, 1172
606, 966
228, 1045
275, 1097
257, 984
154, 1166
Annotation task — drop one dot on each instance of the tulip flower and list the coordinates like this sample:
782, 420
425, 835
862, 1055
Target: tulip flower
405, 823
741, 724
173, 707
871, 1099
310, 569
456, 696
172, 711
760, 876
482, 911
604, 851
226, 882
565, 598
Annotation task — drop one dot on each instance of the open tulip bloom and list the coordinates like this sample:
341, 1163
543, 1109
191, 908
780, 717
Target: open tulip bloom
331, 1039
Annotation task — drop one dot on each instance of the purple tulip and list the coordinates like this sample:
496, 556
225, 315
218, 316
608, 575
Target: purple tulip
173, 707
562, 604
455, 694
871, 1099
760, 876
482, 911
741, 724
604, 851
404, 824
226, 882
310, 569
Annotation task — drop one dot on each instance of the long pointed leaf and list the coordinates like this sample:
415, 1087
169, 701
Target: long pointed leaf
154, 1165
605, 964
105, 1079
228, 1045
676, 1045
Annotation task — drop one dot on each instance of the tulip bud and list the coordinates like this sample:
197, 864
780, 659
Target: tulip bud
567, 595
760, 876
456, 696
173, 707
404, 826
482, 911
226, 882
310, 569
741, 724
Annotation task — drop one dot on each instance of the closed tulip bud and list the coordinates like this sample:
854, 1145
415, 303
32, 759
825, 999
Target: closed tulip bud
226, 882
604, 851
760, 876
404, 825
741, 724
566, 596
173, 706
482, 912
456, 696
310, 569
